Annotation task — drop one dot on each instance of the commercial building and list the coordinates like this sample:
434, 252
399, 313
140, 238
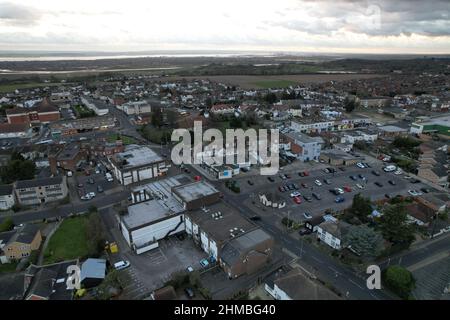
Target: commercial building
438, 125
7, 199
71, 127
38, 191
42, 112
195, 195
135, 107
99, 107
154, 214
18, 130
332, 233
246, 253
338, 158
136, 164
66, 158
61, 97
303, 147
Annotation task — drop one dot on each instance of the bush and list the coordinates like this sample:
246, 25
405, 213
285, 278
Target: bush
7, 225
399, 280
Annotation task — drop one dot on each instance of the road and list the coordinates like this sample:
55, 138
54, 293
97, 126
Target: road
65, 210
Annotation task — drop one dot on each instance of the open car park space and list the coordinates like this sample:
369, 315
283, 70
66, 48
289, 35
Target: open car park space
352, 180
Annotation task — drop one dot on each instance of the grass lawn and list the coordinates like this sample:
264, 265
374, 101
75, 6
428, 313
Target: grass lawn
5, 88
8, 267
125, 140
84, 112
266, 84
68, 242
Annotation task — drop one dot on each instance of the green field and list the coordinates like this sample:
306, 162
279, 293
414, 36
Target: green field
266, 84
125, 140
5, 88
68, 242
8, 267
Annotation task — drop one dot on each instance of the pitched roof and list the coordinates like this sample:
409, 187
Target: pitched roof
13, 127
299, 287
38, 182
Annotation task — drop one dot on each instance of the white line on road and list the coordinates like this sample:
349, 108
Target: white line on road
355, 284
318, 260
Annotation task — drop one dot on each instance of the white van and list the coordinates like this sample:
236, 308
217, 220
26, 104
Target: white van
123, 264
390, 168
109, 177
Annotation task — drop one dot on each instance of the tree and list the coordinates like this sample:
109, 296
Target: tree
350, 104
157, 118
271, 98
6, 225
364, 240
395, 227
172, 118
361, 207
94, 232
18, 170
399, 280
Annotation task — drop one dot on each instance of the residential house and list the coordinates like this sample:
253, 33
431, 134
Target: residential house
297, 285
39, 191
23, 242
7, 200
332, 233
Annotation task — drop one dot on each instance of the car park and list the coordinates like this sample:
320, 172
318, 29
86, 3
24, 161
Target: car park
307, 215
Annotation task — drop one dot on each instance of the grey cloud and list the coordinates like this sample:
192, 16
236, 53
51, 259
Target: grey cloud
375, 18
14, 14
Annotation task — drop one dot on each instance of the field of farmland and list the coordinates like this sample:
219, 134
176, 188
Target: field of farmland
279, 81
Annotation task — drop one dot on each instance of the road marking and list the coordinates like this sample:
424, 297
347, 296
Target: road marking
355, 284
318, 260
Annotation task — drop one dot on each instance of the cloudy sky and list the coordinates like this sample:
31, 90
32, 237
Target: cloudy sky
380, 26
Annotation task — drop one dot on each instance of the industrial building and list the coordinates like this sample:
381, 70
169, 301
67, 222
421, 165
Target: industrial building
136, 164
195, 195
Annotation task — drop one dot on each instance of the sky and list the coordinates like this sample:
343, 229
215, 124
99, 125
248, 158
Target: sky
318, 26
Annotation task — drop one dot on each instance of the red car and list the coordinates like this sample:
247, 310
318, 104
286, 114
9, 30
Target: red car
347, 189
297, 200
197, 178
306, 173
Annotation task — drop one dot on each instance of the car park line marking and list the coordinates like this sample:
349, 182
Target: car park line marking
355, 284
318, 260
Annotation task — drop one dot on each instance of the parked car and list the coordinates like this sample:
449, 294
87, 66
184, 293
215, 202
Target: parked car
318, 182
91, 181
307, 215
360, 165
189, 293
342, 169
271, 179
415, 180
282, 188
378, 184
359, 186
297, 200
307, 198
327, 181
347, 189
392, 182
376, 173
425, 190
99, 189
80, 185
295, 194
339, 199
353, 178
189, 269
317, 196
304, 185
123, 264
250, 182
303, 231
306, 173
255, 218
414, 193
